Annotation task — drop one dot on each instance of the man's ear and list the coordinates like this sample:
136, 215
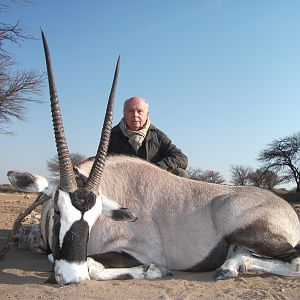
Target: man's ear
114, 211
27, 182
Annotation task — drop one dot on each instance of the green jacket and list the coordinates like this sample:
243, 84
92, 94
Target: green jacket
157, 148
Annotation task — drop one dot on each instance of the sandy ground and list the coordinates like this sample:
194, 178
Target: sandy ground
22, 276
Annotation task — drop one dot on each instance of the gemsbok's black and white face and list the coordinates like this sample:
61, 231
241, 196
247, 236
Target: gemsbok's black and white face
75, 209
74, 215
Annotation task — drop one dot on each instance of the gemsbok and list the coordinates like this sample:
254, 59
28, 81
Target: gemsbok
178, 223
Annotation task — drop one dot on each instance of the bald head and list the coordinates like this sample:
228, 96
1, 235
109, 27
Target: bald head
135, 101
135, 112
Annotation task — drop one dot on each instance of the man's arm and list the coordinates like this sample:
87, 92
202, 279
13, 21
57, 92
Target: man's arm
172, 157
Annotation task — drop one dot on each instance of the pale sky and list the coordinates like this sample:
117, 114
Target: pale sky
221, 76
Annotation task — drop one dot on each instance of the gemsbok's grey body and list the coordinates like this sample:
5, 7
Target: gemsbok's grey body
184, 224
180, 224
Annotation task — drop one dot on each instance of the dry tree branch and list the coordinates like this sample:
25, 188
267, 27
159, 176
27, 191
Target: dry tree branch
11, 239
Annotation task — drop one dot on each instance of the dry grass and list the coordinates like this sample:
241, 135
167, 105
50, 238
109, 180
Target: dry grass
7, 188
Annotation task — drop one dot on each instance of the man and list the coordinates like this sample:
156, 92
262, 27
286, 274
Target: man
135, 135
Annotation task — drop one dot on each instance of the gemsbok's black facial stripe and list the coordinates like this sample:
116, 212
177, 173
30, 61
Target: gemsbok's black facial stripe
83, 200
48, 250
74, 247
56, 209
55, 236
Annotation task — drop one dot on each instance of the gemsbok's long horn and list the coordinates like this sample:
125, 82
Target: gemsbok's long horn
67, 176
93, 182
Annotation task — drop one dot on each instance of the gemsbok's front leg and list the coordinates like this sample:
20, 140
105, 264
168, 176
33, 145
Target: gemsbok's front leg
98, 272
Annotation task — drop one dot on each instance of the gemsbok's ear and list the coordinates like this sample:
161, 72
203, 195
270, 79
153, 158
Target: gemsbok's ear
27, 182
122, 214
114, 211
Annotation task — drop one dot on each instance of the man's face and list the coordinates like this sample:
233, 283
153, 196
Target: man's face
136, 113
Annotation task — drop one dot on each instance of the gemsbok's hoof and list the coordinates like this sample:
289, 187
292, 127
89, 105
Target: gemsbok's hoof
154, 272
222, 274
296, 263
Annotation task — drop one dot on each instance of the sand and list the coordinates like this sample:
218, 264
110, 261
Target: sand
22, 276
